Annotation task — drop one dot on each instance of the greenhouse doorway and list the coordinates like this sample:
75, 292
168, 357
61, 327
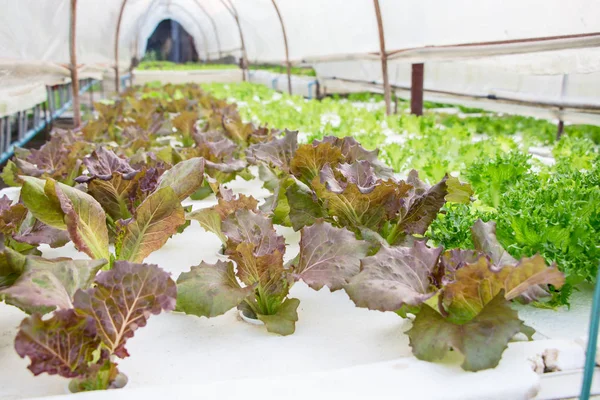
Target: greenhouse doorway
171, 42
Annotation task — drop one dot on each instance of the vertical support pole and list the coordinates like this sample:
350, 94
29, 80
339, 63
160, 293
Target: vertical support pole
384, 65
2, 134
92, 83
8, 137
416, 89
285, 43
235, 15
563, 91
117, 34
74, 73
46, 119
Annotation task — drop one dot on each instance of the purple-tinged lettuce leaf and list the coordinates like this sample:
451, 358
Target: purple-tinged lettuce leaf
154, 221
283, 322
49, 159
63, 207
214, 146
84, 217
211, 218
357, 207
328, 256
185, 123
528, 280
46, 284
35, 232
485, 240
209, 290
114, 195
105, 164
481, 341
353, 151
310, 159
63, 344
184, 178
277, 153
238, 131
118, 313
245, 226
11, 216
451, 261
475, 285
395, 276
263, 270
420, 208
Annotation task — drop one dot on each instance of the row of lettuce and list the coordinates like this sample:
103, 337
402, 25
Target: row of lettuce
122, 178
544, 204
153, 65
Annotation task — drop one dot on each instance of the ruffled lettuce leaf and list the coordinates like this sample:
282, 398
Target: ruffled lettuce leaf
154, 222
35, 232
394, 277
356, 198
277, 153
78, 342
185, 125
310, 159
118, 313
45, 284
211, 218
475, 284
353, 151
104, 164
58, 159
329, 256
481, 340
62, 345
67, 208
209, 290
184, 178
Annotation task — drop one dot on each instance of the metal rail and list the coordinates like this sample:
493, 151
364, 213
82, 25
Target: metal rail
60, 99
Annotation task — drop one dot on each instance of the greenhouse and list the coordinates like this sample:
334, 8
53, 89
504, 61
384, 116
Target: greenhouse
358, 199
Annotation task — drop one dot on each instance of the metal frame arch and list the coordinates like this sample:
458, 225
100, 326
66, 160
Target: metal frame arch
384, 56
233, 11
117, 34
73, 65
285, 42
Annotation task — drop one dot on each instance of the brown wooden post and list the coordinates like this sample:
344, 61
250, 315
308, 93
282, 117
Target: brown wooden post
73, 66
285, 42
117, 34
235, 15
384, 65
416, 89
214, 25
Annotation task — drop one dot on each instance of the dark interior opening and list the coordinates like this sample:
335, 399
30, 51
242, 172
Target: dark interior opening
171, 42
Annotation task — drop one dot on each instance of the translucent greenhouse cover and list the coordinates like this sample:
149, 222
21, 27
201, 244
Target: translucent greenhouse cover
549, 37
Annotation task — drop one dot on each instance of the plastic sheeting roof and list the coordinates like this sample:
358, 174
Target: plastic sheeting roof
37, 30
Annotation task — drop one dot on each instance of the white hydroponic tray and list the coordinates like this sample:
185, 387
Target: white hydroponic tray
338, 350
